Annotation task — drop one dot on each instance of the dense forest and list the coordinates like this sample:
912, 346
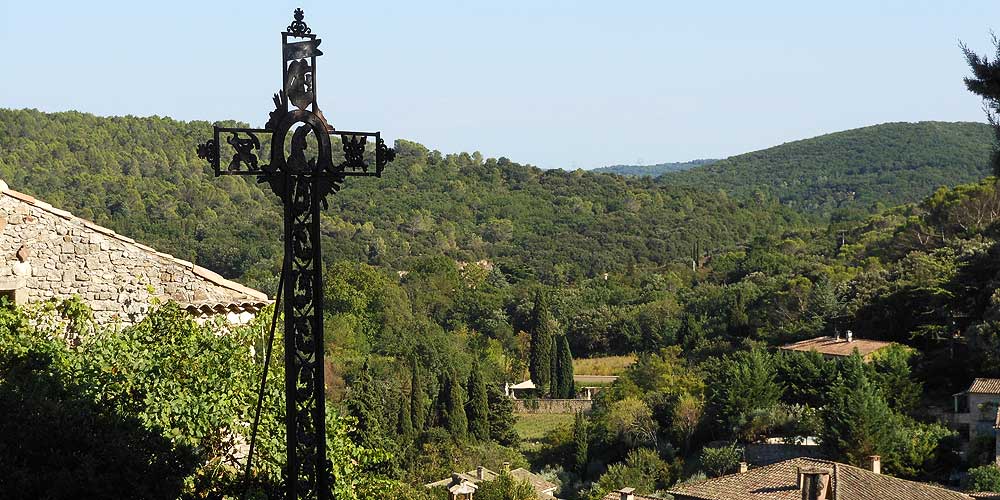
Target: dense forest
653, 170
455, 274
854, 170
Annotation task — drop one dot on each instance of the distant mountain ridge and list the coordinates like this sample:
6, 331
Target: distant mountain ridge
887, 164
653, 170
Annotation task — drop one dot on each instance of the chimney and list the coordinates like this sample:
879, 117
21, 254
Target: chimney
627, 493
814, 483
850, 336
456, 478
744, 467
876, 464
479, 473
505, 466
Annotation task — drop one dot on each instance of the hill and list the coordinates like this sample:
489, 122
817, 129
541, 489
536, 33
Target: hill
141, 177
653, 170
888, 164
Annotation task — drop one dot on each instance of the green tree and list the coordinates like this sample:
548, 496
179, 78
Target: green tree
857, 421
722, 460
477, 408
505, 487
418, 397
554, 369
984, 478
743, 382
502, 418
565, 384
643, 469
581, 440
542, 329
455, 419
985, 82
405, 422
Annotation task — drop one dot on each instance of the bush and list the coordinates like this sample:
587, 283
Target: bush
718, 461
984, 478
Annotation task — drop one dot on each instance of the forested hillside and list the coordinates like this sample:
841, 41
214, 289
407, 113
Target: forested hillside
653, 170
886, 164
141, 177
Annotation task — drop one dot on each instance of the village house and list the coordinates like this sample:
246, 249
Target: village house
626, 494
976, 412
836, 347
48, 253
463, 485
814, 479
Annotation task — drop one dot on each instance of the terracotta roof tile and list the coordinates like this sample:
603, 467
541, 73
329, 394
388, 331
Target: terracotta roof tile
780, 482
985, 386
837, 347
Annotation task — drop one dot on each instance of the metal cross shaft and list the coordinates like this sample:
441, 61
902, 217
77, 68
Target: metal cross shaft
302, 171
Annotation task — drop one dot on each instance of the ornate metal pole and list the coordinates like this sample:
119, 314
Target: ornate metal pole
302, 178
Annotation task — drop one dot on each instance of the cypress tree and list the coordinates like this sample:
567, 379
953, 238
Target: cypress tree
405, 423
555, 382
363, 403
540, 362
454, 408
477, 409
418, 412
580, 443
502, 418
567, 387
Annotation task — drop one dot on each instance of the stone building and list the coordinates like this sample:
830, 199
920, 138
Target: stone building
976, 412
463, 485
48, 253
836, 347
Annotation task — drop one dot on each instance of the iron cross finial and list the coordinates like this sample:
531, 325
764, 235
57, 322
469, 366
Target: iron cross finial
298, 26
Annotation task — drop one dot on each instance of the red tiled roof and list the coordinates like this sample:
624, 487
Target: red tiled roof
837, 347
780, 482
985, 386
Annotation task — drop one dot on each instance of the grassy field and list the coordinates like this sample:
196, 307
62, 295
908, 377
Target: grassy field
533, 426
608, 365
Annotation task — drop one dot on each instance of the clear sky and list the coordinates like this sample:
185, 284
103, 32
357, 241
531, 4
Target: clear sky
553, 83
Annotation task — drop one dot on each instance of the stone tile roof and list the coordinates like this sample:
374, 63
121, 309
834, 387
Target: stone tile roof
543, 488
837, 347
617, 495
247, 299
780, 482
984, 386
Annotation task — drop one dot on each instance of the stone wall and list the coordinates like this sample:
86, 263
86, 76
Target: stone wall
48, 253
552, 405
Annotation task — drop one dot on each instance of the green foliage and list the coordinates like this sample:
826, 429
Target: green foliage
477, 408
580, 443
892, 163
984, 478
151, 410
505, 487
857, 421
542, 340
643, 469
502, 418
985, 83
652, 170
742, 383
564, 383
722, 460
453, 417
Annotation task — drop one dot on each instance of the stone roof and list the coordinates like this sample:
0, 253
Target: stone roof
543, 488
780, 482
984, 386
837, 347
239, 297
617, 495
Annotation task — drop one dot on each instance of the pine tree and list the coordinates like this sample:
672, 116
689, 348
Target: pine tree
363, 404
580, 443
418, 412
985, 82
567, 387
540, 362
477, 409
454, 419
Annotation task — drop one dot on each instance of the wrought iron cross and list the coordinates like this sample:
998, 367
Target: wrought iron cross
303, 170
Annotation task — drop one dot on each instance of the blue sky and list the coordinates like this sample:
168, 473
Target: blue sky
553, 83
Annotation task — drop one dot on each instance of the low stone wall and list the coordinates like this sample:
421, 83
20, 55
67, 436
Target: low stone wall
552, 405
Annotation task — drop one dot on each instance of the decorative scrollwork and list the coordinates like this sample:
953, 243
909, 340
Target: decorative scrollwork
209, 151
244, 152
383, 156
354, 152
298, 26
